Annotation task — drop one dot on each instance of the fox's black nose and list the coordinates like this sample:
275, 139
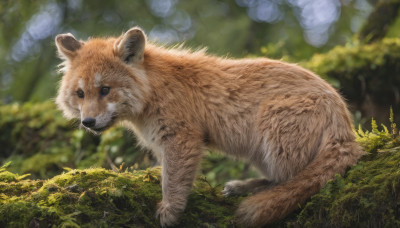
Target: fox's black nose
89, 122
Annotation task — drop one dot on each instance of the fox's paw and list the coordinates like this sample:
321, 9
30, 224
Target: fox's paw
167, 215
234, 188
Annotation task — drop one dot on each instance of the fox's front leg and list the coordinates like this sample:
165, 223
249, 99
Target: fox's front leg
182, 154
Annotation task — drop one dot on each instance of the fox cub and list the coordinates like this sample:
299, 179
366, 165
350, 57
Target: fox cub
286, 121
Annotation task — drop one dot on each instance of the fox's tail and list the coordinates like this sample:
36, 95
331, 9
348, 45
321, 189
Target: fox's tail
273, 204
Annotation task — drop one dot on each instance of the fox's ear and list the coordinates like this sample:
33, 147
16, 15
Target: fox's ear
130, 46
67, 45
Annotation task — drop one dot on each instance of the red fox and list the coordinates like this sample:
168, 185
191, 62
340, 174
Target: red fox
286, 121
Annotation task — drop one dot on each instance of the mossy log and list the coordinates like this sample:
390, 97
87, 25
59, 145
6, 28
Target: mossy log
368, 75
367, 196
103, 198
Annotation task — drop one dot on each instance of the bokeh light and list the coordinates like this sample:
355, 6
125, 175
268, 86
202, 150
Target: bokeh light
42, 25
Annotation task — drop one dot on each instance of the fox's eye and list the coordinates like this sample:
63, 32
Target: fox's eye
104, 90
80, 93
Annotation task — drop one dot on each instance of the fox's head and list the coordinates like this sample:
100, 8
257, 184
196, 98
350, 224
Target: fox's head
104, 80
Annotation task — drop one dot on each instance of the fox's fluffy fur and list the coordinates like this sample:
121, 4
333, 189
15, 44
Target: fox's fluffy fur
286, 121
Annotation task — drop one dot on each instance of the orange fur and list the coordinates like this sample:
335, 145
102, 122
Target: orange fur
286, 121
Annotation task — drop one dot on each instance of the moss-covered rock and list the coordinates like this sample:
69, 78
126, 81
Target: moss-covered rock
103, 198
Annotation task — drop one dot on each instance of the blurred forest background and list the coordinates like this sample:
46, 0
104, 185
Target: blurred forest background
288, 29
354, 44
235, 28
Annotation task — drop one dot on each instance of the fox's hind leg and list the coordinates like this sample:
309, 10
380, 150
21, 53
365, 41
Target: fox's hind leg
244, 187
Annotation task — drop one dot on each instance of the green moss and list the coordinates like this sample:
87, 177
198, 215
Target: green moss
368, 195
103, 198
39, 141
363, 73
208, 208
354, 57
8, 176
34, 132
26, 214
